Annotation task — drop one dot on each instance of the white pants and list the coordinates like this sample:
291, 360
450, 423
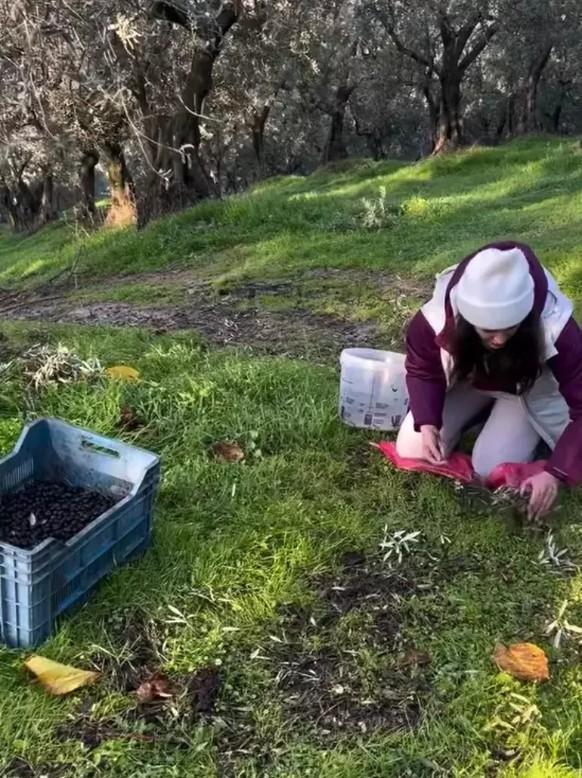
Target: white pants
507, 436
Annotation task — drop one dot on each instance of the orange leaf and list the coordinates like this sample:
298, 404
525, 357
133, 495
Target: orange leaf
524, 661
228, 451
123, 373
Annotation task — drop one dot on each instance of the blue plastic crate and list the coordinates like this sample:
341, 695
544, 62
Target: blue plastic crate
39, 584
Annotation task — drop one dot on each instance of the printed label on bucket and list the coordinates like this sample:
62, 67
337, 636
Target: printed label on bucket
373, 391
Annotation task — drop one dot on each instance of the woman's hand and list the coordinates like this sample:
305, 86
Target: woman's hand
432, 447
543, 492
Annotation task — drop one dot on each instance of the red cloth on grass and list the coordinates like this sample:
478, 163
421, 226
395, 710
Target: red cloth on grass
513, 474
459, 467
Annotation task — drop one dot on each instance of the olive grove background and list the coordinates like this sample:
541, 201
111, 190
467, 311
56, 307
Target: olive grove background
168, 102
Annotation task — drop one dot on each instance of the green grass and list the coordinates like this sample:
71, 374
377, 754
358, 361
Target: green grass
350, 298
239, 549
434, 212
136, 293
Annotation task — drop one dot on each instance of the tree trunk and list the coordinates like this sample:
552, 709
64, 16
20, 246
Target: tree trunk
511, 118
529, 120
433, 104
449, 132
375, 145
259, 120
8, 204
373, 138
531, 96
22, 203
122, 211
48, 209
89, 161
500, 127
556, 115
28, 203
451, 70
335, 146
178, 177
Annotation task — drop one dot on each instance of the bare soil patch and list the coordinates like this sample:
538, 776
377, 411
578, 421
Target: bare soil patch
219, 315
337, 667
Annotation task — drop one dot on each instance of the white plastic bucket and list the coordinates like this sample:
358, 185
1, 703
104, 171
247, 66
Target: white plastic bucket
372, 389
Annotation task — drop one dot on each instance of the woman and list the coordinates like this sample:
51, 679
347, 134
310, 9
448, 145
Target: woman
497, 342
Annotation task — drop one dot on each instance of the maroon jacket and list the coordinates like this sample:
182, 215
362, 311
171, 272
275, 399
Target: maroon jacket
427, 383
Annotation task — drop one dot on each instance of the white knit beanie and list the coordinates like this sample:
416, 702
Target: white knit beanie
496, 290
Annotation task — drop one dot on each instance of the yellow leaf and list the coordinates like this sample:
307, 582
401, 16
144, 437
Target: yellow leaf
524, 661
57, 678
123, 373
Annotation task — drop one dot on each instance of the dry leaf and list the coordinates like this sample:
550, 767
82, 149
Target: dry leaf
155, 688
524, 661
414, 658
123, 373
228, 451
129, 420
57, 678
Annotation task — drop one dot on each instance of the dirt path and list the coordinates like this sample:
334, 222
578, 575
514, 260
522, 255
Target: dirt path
226, 317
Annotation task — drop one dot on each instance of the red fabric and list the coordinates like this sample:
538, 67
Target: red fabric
459, 467
513, 474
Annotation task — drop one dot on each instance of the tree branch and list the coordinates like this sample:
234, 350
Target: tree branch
445, 28
465, 33
480, 44
403, 48
537, 67
415, 55
170, 12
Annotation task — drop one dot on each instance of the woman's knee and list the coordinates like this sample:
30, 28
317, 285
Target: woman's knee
409, 441
506, 437
484, 462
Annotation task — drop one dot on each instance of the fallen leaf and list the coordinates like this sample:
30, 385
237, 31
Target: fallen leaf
123, 373
414, 658
129, 420
228, 451
57, 678
524, 661
155, 688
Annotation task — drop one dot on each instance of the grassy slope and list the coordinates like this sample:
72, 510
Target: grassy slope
437, 210
235, 542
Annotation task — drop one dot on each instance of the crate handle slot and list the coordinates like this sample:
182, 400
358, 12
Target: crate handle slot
96, 448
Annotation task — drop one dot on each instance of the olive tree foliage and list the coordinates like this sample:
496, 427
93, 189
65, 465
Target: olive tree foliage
560, 101
99, 75
527, 80
542, 44
63, 85
181, 100
285, 85
255, 93
303, 84
444, 39
29, 150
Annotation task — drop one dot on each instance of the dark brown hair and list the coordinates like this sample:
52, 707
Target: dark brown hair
515, 367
